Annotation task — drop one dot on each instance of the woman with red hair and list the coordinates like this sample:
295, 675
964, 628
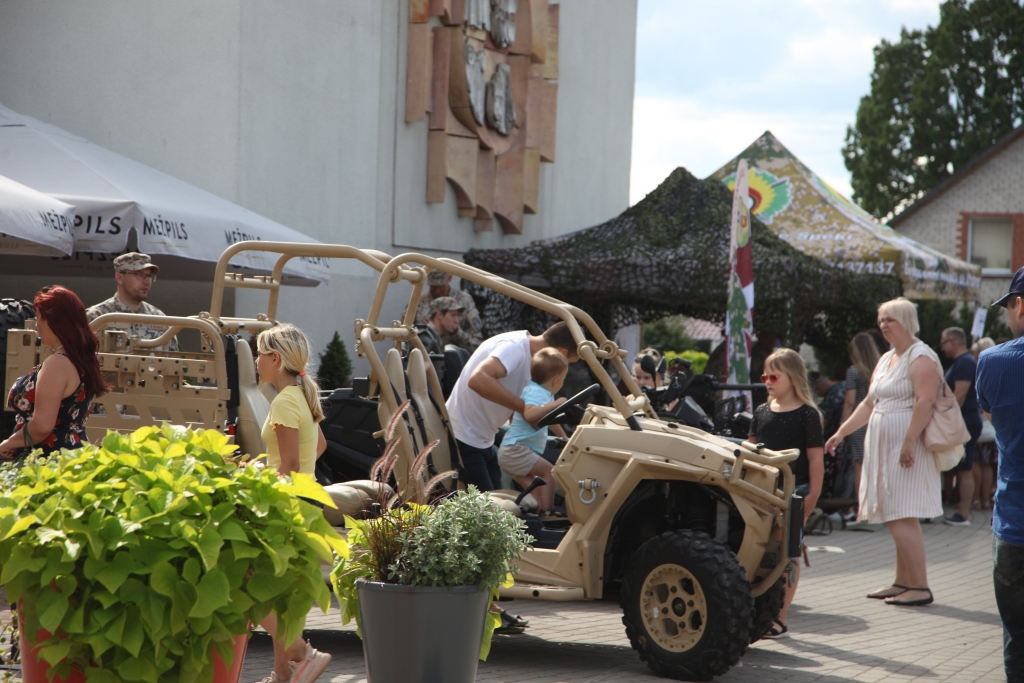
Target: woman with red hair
52, 401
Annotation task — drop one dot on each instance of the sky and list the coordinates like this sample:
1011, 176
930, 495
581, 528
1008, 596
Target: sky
712, 77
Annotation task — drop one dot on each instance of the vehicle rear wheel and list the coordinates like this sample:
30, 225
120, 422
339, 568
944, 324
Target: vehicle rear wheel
687, 606
766, 607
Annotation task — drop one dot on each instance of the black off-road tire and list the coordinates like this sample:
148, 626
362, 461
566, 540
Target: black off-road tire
766, 607
691, 567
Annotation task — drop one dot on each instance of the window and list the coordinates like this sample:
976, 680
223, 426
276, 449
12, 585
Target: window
991, 245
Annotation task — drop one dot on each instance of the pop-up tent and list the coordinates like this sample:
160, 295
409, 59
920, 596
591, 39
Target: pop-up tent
802, 209
669, 254
120, 204
32, 223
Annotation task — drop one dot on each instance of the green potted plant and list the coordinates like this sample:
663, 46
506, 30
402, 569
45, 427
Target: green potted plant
415, 567
147, 557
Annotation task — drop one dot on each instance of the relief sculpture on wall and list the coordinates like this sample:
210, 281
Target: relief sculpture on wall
476, 63
501, 108
503, 22
484, 75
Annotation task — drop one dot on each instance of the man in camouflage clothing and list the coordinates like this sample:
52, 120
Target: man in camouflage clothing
444, 322
135, 275
469, 333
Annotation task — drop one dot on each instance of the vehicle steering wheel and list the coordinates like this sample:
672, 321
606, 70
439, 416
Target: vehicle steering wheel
570, 412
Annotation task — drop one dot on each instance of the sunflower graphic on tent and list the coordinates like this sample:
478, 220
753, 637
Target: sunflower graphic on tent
769, 193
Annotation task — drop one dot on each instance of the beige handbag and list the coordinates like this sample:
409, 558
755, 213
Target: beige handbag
948, 459
946, 430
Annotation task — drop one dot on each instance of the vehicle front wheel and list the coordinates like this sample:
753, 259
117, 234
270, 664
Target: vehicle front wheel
687, 606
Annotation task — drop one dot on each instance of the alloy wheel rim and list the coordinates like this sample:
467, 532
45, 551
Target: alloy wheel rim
674, 608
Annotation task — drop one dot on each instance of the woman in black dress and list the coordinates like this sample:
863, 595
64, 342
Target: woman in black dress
791, 419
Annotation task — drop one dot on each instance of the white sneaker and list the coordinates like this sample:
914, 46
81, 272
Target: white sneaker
311, 666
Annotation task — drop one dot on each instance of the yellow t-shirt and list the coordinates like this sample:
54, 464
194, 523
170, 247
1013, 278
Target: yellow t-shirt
289, 409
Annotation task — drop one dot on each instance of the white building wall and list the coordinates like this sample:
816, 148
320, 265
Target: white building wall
296, 111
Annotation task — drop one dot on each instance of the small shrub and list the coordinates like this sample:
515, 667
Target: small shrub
698, 359
465, 540
335, 369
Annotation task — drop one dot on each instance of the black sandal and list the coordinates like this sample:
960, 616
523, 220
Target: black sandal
778, 630
873, 594
511, 624
913, 603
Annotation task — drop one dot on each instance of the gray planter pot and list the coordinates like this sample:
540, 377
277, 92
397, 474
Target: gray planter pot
414, 634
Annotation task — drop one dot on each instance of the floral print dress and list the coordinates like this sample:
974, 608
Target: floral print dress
69, 431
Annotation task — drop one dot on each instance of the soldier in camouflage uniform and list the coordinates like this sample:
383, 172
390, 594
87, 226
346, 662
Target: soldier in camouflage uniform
469, 333
445, 312
135, 275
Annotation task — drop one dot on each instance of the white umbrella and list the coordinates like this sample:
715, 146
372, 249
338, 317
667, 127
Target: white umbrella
115, 195
32, 223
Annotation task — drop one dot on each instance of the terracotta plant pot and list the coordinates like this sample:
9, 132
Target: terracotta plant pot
35, 670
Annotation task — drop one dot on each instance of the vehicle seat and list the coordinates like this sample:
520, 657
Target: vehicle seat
352, 498
455, 359
433, 422
253, 406
395, 381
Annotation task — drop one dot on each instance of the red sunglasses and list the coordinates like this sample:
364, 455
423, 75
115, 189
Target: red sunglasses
770, 378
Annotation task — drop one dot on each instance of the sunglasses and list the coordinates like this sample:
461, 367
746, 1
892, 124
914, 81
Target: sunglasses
770, 378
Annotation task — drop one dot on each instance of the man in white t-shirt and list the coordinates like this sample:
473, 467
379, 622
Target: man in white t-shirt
487, 394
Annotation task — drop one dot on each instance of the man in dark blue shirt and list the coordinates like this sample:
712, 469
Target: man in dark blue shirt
1000, 385
960, 378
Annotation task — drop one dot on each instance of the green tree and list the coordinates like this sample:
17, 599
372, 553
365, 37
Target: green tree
938, 97
668, 335
335, 365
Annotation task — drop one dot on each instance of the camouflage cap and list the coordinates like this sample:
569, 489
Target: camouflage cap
444, 303
437, 278
133, 261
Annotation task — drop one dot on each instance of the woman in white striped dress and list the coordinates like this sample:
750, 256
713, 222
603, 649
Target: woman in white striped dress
900, 481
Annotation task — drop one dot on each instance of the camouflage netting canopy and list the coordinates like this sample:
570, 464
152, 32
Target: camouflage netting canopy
668, 254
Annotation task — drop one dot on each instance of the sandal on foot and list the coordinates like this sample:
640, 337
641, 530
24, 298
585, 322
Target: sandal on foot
913, 603
513, 620
882, 593
778, 630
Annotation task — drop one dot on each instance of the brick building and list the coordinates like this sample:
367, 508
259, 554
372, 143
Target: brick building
977, 214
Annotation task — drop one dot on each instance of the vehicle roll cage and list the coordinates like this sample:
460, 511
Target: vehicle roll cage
413, 268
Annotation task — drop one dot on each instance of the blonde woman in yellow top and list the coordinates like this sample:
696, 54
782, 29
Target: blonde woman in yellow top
294, 442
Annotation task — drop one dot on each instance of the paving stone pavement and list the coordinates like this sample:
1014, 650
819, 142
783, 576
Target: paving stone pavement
838, 636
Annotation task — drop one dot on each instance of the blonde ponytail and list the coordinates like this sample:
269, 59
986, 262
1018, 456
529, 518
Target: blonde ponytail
293, 346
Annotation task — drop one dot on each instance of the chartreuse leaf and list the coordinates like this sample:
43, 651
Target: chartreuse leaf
55, 653
114, 573
51, 608
19, 525
133, 635
209, 546
163, 579
138, 669
190, 572
306, 486
21, 560
231, 530
97, 675
212, 592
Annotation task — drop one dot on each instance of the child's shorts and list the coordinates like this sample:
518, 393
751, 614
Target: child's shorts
517, 459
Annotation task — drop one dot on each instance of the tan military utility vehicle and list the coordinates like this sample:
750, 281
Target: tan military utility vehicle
692, 532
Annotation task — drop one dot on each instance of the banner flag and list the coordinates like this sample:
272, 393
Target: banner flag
739, 325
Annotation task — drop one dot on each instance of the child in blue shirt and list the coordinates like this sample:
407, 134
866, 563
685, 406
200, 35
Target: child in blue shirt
521, 450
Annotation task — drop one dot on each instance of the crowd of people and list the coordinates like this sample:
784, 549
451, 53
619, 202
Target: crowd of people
874, 418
